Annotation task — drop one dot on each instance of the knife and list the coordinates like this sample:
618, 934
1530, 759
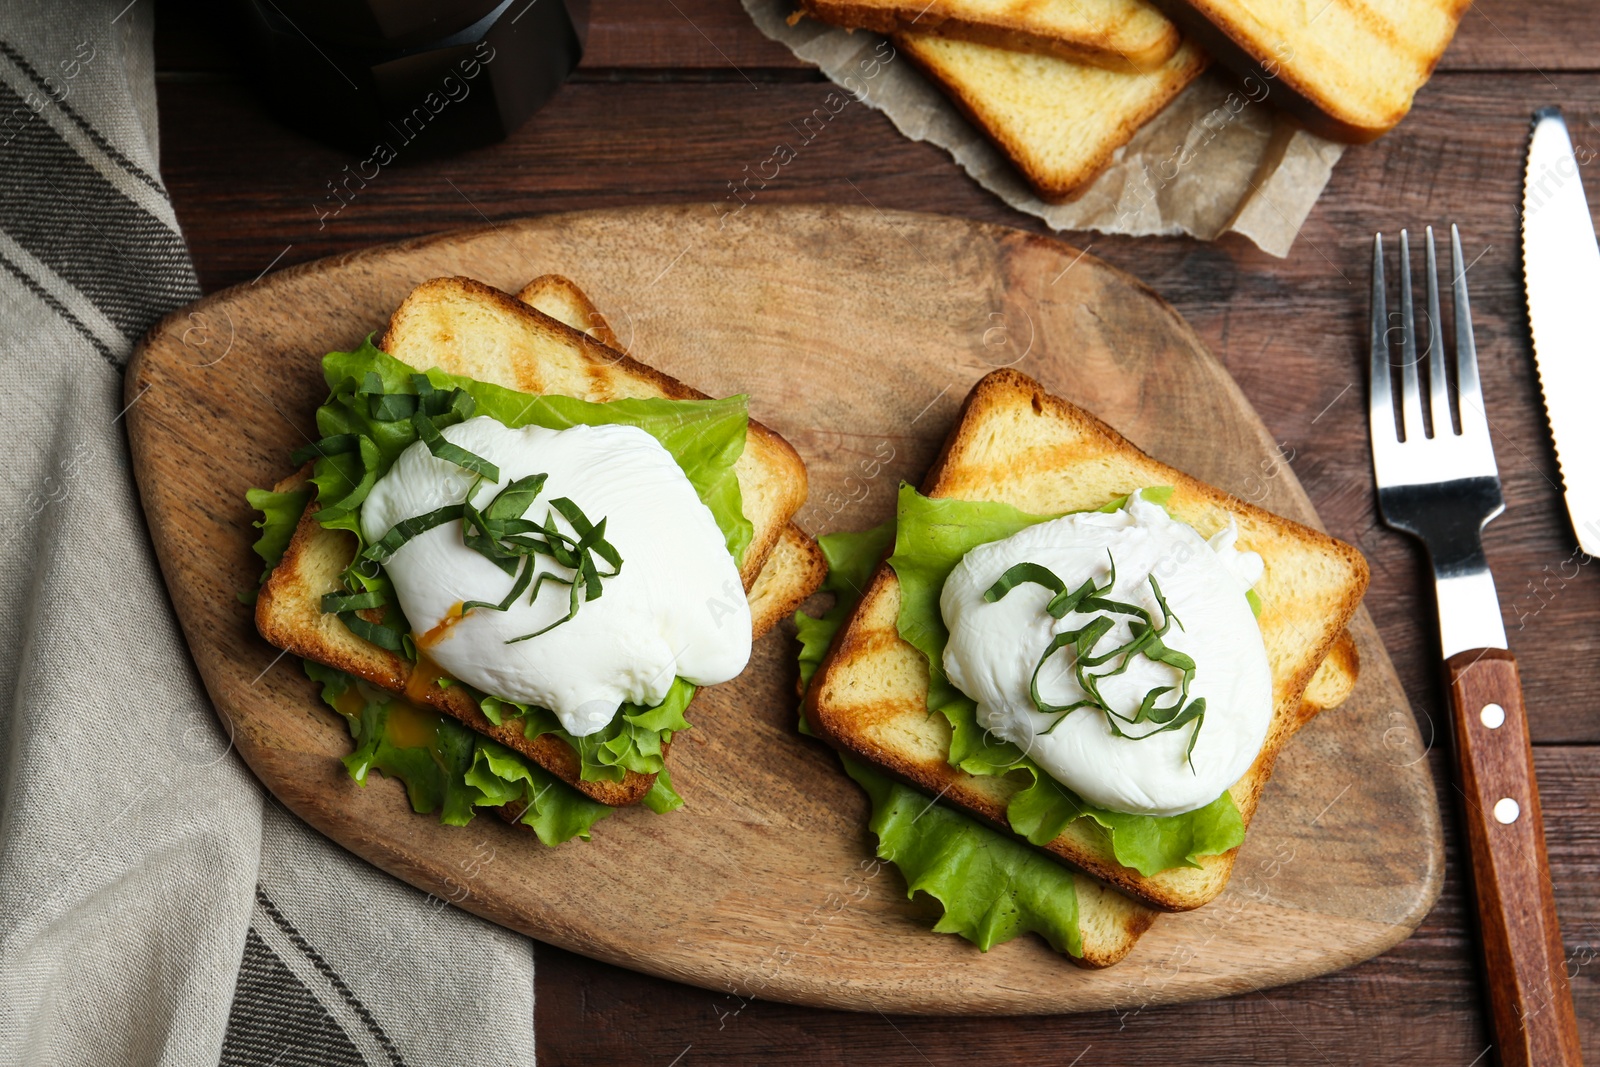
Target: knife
1561, 268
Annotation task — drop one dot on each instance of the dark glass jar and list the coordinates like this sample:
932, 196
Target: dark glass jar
411, 78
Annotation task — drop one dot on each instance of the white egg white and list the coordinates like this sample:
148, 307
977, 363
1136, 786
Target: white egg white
677, 607
994, 648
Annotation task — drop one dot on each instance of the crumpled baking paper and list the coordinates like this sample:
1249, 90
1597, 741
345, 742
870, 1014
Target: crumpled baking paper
1218, 159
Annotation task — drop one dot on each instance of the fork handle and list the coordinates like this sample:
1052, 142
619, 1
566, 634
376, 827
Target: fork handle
1529, 1000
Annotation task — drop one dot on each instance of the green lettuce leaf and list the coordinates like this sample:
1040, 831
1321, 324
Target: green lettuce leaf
629, 742
552, 809
991, 888
280, 514
931, 537
662, 798
851, 558
447, 767
706, 437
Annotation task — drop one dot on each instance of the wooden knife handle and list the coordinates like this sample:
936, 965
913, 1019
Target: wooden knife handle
1530, 1003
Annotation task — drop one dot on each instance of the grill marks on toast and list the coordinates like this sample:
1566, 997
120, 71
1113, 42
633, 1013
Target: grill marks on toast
464, 327
1123, 35
1015, 443
1347, 70
439, 314
1059, 122
795, 568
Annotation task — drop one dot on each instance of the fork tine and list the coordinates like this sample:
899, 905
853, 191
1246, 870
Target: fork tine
1380, 388
1438, 383
1473, 419
1410, 394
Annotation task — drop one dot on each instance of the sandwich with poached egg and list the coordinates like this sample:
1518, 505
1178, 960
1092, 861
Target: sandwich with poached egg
513, 554
1088, 659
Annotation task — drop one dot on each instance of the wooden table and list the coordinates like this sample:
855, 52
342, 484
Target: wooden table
674, 99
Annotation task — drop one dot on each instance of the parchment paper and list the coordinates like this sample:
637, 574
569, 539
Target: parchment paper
1220, 158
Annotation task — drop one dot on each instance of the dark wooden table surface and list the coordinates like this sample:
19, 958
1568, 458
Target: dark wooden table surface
675, 98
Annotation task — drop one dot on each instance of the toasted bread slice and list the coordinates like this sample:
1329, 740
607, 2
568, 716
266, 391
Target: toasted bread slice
1017, 444
1057, 121
795, 567
559, 297
1334, 681
469, 328
1124, 35
794, 570
1109, 923
465, 327
1347, 70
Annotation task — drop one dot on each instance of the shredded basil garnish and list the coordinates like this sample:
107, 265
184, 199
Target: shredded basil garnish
334, 603
1145, 639
430, 436
498, 532
338, 444
501, 535
382, 636
381, 550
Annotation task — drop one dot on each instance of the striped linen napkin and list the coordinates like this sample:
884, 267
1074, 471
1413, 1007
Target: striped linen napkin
156, 906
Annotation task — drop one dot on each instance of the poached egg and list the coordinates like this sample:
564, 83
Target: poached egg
676, 608
995, 647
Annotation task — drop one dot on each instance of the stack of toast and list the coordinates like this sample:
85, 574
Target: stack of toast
1016, 444
1060, 85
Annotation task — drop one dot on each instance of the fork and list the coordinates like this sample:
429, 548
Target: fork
1437, 480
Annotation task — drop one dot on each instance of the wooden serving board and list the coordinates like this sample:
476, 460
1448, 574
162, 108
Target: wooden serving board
855, 333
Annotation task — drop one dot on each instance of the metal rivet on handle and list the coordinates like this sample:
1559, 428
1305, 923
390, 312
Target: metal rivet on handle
1494, 717
1506, 810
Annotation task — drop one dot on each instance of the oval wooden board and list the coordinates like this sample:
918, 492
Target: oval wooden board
855, 333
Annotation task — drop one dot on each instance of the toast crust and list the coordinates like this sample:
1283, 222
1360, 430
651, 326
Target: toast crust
1334, 680
999, 122
869, 695
795, 569
1132, 43
1109, 923
1244, 47
559, 297
288, 610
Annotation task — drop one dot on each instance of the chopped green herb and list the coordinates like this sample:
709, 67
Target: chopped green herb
385, 547
382, 636
500, 534
333, 603
1144, 639
443, 449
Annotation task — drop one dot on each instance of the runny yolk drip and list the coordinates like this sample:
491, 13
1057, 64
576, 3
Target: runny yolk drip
424, 678
426, 674
410, 726
442, 630
350, 702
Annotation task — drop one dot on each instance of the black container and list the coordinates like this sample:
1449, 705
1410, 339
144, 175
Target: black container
382, 23
411, 78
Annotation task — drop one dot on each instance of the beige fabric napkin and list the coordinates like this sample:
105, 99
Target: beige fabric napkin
155, 906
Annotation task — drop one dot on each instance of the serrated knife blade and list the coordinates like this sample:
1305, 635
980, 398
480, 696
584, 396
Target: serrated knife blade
1561, 270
